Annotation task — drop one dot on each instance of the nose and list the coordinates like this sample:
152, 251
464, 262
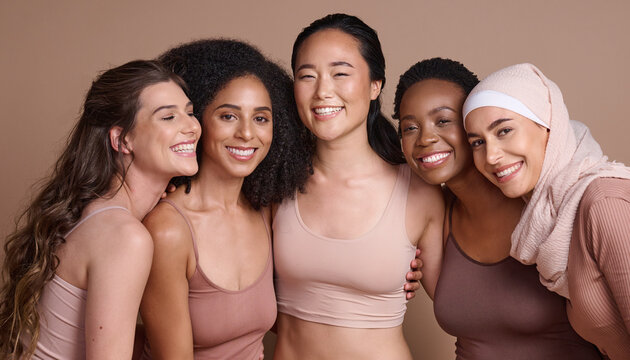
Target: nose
244, 130
493, 153
324, 88
426, 136
192, 126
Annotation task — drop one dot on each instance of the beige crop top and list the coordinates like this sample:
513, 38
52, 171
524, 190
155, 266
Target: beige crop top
355, 283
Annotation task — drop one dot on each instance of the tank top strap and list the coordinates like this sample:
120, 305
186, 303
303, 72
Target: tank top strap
399, 193
190, 228
267, 226
450, 217
95, 212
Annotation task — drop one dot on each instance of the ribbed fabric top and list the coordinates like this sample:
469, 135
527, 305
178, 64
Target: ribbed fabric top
326, 280
62, 314
228, 324
501, 311
599, 267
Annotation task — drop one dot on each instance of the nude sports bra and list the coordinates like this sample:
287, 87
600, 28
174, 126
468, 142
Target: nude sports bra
326, 280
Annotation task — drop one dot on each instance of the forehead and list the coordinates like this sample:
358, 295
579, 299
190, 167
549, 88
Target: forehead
431, 93
244, 89
328, 44
161, 93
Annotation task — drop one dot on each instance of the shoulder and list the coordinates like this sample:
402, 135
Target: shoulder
606, 195
167, 227
120, 238
422, 193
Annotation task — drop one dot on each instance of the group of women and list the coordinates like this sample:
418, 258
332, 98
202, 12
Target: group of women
523, 248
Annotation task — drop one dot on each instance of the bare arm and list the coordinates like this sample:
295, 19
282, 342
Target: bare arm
425, 218
117, 273
164, 306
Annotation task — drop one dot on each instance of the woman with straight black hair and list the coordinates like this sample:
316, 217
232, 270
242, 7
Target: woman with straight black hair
343, 246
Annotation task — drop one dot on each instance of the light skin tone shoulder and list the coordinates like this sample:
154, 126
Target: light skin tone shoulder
333, 90
231, 236
110, 254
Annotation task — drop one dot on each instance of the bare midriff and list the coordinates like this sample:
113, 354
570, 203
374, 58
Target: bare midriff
306, 340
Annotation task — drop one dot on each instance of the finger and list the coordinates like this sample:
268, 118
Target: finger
414, 275
411, 295
412, 286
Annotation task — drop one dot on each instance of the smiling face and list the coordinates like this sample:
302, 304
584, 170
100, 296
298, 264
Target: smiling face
508, 148
433, 137
332, 87
238, 128
165, 134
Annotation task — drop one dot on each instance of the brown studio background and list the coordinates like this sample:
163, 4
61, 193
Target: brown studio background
51, 50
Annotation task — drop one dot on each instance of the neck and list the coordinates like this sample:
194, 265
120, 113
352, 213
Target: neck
349, 155
140, 191
213, 188
484, 199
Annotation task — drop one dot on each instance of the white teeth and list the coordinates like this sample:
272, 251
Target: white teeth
509, 170
327, 110
434, 158
184, 148
240, 152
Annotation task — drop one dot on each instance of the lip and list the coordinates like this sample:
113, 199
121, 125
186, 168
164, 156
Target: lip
431, 165
184, 154
511, 176
323, 117
241, 153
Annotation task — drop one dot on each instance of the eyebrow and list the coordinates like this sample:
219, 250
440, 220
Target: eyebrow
169, 107
334, 63
236, 107
492, 125
433, 111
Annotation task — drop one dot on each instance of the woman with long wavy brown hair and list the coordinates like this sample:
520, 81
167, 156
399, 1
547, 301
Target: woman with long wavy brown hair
79, 259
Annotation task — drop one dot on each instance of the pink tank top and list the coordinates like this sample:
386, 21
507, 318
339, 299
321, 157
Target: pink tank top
61, 310
229, 324
355, 283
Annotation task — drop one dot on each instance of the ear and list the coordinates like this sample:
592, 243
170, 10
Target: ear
375, 90
115, 140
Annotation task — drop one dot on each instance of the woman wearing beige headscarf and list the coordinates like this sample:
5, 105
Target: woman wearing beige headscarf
575, 225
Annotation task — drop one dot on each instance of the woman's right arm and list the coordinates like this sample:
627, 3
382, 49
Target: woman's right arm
164, 306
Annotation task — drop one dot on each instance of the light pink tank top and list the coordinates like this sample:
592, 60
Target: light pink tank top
355, 283
61, 310
228, 324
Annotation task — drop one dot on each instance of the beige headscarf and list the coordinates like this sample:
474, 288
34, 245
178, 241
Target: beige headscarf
572, 160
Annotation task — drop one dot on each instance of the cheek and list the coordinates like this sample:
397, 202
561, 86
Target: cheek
479, 160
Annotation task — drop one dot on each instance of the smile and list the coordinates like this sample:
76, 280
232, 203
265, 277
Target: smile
327, 110
435, 157
509, 171
241, 152
183, 148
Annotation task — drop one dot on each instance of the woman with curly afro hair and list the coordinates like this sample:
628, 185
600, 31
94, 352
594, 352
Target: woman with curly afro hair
210, 292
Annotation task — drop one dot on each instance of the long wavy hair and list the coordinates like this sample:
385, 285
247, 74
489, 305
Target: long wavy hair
86, 170
382, 136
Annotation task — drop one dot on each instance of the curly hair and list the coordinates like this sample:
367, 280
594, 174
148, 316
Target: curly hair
381, 134
435, 68
86, 170
208, 66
